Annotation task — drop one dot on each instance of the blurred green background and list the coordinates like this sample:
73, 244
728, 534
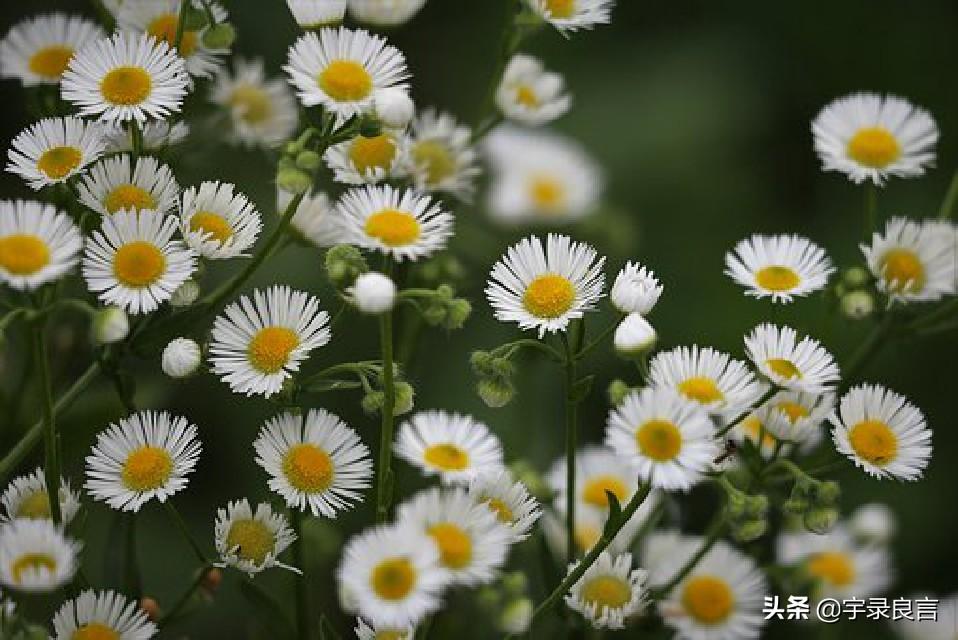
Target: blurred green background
700, 113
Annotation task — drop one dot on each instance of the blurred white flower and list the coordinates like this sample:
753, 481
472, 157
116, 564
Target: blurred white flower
373, 293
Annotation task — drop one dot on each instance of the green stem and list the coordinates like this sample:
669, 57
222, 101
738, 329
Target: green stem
131, 568
181, 25
185, 532
51, 467
731, 425
867, 349
948, 205
384, 477
303, 615
511, 39
711, 537
508, 350
870, 210
571, 438
185, 596
597, 341
136, 136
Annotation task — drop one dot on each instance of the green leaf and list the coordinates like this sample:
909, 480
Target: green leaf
156, 336
581, 389
615, 514
324, 386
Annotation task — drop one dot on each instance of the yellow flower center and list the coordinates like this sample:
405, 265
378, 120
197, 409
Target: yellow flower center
435, 160
147, 468
126, 86
549, 296
23, 255
526, 96
561, 8
708, 599
252, 540
874, 441
903, 271
701, 389
368, 154
35, 506
752, 427
547, 193
211, 224
390, 634
345, 81
270, 348
607, 592
594, 490
393, 579
777, 278
501, 509
392, 227
447, 457
455, 547
252, 103
308, 468
164, 28
34, 561
833, 567
793, 410
50, 62
874, 147
129, 196
95, 631
138, 264
659, 439
58, 162
783, 368
586, 536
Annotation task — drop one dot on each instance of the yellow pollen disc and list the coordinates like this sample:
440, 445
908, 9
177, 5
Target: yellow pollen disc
455, 547
308, 468
833, 567
129, 196
561, 8
777, 278
447, 457
393, 579
903, 271
126, 86
50, 62
377, 152
253, 104
501, 509
95, 631
58, 162
549, 296
36, 506
752, 427
874, 441
701, 389
526, 96
211, 224
392, 227
29, 561
586, 537
23, 255
594, 491
138, 264
607, 592
270, 348
253, 538
164, 28
708, 599
147, 468
793, 410
390, 634
874, 147
546, 193
784, 368
659, 439
345, 81
435, 159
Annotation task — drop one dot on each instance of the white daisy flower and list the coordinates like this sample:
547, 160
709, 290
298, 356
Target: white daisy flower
26, 497
37, 50
251, 540
263, 111
568, 16
472, 545
531, 95
789, 363
160, 19
508, 499
146, 455
440, 155
402, 224
393, 575
157, 135
660, 547
126, 77
261, 341
839, 567
724, 386
315, 217
393, 107
103, 614
779, 267
341, 70
36, 556
913, 262
54, 150
796, 417
873, 523
545, 288
384, 13
217, 222
871, 137
315, 14
941, 627
367, 160
38, 244
365, 631
314, 461
669, 439
453, 446
134, 263
609, 592
588, 527
116, 183
635, 290
882, 433
540, 177
720, 599
597, 470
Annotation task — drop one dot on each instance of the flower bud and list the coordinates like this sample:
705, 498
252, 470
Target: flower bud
151, 608
110, 325
855, 277
405, 396
434, 314
858, 304
220, 36
756, 506
373, 293
308, 160
821, 520
194, 19
496, 392
373, 401
293, 180
795, 506
211, 580
370, 128
344, 263
457, 312
516, 616
393, 107
186, 294
181, 358
828, 492
617, 391
750, 530
634, 336
635, 290
481, 362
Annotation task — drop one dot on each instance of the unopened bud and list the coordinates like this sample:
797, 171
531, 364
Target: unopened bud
194, 18
344, 263
308, 160
828, 492
210, 583
181, 358
457, 312
617, 391
186, 294
858, 304
393, 107
220, 36
373, 401
495, 392
821, 520
855, 277
516, 617
634, 336
293, 180
373, 293
110, 325
750, 530
151, 608
405, 397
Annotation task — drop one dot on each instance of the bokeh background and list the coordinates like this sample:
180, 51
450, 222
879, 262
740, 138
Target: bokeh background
699, 111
